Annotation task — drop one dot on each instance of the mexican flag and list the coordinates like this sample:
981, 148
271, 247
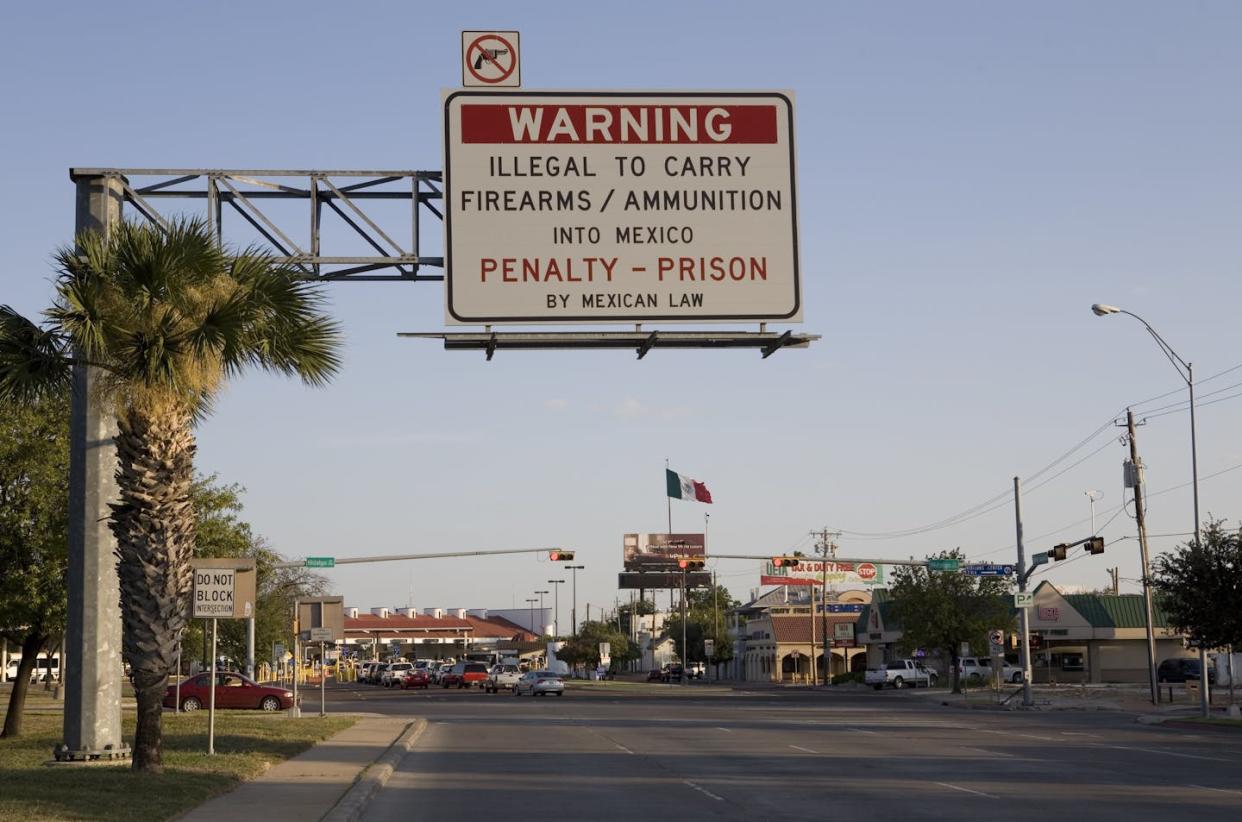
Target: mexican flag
682, 487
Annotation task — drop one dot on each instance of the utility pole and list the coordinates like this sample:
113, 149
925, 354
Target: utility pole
573, 612
1134, 474
825, 547
1113, 575
1025, 613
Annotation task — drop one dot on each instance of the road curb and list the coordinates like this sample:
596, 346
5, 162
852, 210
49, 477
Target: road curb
351, 806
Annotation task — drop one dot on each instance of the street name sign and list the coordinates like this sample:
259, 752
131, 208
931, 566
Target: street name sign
984, 569
1039, 559
943, 564
1024, 599
319, 562
223, 588
619, 207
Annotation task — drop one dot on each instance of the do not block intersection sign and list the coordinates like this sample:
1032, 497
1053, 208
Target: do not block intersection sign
223, 588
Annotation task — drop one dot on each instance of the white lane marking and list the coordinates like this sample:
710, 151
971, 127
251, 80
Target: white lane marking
1221, 790
1161, 753
800, 748
966, 790
726, 730
1079, 733
986, 753
623, 748
863, 731
1024, 736
703, 791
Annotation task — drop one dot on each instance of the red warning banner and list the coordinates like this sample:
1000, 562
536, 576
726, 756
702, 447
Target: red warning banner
656, 124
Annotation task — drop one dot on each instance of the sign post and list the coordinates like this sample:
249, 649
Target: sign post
223, 589
211, 699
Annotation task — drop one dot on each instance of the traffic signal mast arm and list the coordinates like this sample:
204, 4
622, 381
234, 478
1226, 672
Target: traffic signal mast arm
1092, 544
849, 560
568, 555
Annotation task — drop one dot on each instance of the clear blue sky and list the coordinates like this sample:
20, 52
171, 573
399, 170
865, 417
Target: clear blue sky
973, 177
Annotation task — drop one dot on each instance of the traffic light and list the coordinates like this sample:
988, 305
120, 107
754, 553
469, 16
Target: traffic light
1095, 545
561, 556
1058, 552
785, 562
690, 563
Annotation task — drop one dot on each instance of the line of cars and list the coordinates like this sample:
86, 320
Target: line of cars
465, 674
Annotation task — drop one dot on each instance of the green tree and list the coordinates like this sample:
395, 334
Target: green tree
630, 614
705, 609
34, 501
166, 316
584, 648
1200, 586
942, 609
222, 532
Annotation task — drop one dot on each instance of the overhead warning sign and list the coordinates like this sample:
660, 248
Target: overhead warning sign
490, 58
587, 207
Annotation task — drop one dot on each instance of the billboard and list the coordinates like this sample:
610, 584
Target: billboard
661, 551
598, 207
661, 580
814, 571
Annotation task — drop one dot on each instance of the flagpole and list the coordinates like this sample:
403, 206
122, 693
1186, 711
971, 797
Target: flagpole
667, 497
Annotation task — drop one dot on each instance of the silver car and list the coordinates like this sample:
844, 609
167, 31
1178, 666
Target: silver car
540, 683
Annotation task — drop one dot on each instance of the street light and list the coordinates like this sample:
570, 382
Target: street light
1092, 496
556, 607
1186, 371
541, 593
573, 612
531, 602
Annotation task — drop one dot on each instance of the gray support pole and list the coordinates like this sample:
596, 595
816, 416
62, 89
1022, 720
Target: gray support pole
1025, 613
250, 647
211, 699
323, 679
93, 678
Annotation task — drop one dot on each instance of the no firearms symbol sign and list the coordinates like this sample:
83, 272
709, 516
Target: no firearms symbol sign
490, 58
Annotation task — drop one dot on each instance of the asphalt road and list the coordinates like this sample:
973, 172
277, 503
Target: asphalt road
657, 752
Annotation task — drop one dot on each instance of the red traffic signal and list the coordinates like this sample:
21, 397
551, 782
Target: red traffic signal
785, 562
561, 556
690, 563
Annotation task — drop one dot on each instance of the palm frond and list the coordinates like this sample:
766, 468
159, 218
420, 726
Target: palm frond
34, 363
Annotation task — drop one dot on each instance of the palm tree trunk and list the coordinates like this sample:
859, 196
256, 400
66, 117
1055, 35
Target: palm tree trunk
154, 528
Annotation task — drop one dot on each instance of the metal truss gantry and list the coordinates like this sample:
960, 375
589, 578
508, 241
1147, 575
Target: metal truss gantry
344, 194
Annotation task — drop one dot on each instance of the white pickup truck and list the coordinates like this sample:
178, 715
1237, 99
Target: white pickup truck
901, 673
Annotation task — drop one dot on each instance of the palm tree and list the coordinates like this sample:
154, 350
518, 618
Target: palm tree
166, 316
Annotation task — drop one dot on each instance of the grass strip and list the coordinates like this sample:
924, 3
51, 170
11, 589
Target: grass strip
247, 743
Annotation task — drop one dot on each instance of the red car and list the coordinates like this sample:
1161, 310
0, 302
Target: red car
466, 674
417, 678
232, 691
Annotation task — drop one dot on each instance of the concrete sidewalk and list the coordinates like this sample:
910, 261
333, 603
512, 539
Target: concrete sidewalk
309, 785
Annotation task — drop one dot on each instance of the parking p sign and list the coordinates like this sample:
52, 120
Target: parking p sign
1024, 599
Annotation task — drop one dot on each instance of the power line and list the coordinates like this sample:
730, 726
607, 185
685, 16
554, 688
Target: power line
1001, 500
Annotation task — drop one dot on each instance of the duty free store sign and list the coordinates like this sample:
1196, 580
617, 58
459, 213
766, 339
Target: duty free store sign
585, 207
